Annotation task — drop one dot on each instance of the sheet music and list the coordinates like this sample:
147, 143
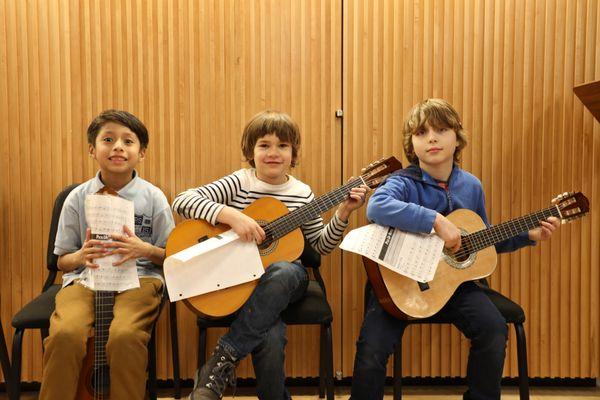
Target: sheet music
413, 255
214, 264
106, 215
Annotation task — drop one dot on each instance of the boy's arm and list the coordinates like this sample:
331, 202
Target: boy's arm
245, 227
206, 202
90, 250
387, 206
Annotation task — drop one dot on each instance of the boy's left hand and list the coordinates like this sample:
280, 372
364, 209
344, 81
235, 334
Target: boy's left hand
545, 230
129, 245
356, 198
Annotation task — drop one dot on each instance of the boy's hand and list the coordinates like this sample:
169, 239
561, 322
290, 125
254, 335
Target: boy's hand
356, 198
449, 233
245, 227
90, 250
545, 230
129, 245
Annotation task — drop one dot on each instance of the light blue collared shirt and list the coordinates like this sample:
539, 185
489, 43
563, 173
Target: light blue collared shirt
153, 221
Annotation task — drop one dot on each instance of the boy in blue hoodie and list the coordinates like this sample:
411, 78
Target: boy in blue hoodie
417, 199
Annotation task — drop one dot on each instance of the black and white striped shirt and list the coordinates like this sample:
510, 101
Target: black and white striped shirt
242, 188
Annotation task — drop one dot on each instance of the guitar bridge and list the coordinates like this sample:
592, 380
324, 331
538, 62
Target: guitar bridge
202, 239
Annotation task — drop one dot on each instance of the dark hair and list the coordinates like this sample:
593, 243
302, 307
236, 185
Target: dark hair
270, 122
122, 118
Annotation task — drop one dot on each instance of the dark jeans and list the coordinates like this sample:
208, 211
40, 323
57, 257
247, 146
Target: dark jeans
258, 328
470, 310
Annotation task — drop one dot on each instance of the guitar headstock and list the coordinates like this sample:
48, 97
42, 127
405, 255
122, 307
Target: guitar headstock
377, 171
571, 205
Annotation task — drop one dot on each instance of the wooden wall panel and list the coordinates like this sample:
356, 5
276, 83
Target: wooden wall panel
509, 68
194, 72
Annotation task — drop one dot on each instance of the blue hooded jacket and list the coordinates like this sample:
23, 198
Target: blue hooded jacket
410, 199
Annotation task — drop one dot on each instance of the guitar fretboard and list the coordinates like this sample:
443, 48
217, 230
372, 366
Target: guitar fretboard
289, 222
497, 233
104, 303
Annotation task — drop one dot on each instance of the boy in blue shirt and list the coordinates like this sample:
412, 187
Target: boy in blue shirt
416, 199
117, 141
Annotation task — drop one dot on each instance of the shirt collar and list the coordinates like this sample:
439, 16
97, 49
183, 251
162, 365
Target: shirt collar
127, 192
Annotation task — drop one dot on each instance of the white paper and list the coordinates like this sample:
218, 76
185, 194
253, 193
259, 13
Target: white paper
413, 255
106, 215
217, 263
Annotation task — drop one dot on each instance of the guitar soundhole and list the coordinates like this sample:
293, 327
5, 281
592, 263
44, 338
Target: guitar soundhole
100, 380
462, 254
464, 257
268, 245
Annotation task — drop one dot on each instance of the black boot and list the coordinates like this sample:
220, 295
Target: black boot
215, 376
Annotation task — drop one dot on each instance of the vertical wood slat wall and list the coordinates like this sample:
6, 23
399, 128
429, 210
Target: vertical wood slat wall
509, 68
195, 72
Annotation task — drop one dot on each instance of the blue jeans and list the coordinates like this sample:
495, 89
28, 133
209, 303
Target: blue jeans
471, 311
259, 330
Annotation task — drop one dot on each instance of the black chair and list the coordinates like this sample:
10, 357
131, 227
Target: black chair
312, 309
36, 314
4, 361
512, 312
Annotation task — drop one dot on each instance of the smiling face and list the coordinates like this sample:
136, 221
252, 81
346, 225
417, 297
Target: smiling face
272, 158
117, 150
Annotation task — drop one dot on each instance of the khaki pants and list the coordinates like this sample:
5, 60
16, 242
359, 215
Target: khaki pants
134, 314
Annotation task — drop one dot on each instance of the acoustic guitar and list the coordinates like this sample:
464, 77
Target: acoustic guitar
405, 298
284, 240
94, 379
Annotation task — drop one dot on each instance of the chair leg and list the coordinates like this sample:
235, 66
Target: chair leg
329, 358
152, 390
201, 347
4, 361
398, 371
522, 361
175, 350
16, 365
322, 361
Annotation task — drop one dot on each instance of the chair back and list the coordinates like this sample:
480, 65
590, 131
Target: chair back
310, 257
51, 258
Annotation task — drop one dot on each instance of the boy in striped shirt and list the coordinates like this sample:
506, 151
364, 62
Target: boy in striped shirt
270, 144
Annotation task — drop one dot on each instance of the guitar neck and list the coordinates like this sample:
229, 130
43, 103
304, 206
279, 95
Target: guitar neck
295, 219
497, 233
104, 302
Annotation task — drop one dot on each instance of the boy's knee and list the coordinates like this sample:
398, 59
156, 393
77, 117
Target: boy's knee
73, 338
287, 274
124, 341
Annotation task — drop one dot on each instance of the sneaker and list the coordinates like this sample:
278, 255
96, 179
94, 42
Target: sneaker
216, 374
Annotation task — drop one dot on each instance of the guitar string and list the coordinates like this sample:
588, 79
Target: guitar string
496, 233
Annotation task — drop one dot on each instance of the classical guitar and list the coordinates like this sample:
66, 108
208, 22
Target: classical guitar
284, 240
94, 379
405, 298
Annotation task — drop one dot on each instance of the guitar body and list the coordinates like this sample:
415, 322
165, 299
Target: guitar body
404, 298
224, 302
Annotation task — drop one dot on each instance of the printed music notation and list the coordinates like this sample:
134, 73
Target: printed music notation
410, 254
106, 215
